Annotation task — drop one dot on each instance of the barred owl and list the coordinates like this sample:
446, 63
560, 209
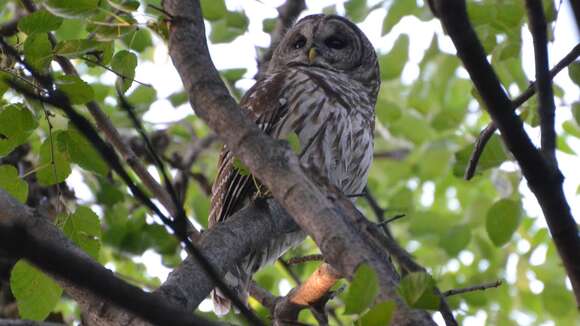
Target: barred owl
321, 84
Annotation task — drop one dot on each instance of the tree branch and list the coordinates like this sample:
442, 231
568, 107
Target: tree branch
544, 180
344, 246
24, 234
546, 105
105, 125
491, 128
312, 293
481, 287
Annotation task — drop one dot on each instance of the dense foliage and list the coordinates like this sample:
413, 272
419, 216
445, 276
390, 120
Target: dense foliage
465, 232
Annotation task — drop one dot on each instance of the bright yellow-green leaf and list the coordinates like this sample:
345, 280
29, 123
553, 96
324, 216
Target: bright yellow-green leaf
84, 229
213, 9
502, 220
124, 64
379, 315
362, 290
392, 64
418, 291
36, 294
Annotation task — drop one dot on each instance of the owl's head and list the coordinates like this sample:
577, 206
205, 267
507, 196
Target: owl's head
330, 42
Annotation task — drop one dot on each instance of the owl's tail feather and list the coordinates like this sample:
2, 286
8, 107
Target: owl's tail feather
237, 280
221, 304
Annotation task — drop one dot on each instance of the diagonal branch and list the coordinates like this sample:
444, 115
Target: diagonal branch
544, 180
344, 245
546, 105
491, 128
24, 234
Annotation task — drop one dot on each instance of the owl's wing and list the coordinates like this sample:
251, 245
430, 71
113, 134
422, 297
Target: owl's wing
265, 104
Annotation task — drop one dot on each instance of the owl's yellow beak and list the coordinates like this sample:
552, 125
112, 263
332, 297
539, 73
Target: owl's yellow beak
312, 54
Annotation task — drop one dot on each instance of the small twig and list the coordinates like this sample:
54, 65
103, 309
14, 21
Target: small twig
356, 195
491, 128
304, 259
392, 219
481, 287
113, 71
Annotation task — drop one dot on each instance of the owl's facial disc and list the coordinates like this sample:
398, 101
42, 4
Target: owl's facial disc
326, 42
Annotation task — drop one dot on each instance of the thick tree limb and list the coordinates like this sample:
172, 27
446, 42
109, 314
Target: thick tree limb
544, 180
546, 105
344, 246
24, 234
312, 292
491, 128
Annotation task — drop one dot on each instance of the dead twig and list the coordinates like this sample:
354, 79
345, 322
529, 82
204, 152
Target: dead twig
481, 287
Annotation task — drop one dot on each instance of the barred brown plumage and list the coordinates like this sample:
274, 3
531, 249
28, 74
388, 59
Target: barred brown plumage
321, 84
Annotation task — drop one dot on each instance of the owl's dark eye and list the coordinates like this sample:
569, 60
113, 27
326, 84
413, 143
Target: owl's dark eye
300, 42
334, 42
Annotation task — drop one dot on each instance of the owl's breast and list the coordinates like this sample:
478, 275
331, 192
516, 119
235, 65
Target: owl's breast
334, 122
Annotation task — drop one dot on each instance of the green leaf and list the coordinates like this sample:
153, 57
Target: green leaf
574, 72
456, 239
76, 48
77, 90
36, 294
418, 291
213, 9
83, 153
38, 51
241, 167
138, 40
362, 290
233, 75
40, 21
356, 10
178, 98
84, 229
22, 124
397, 10
392, 64
502, 220
221, 32
54, 162
294, 142
143, 95
71, 9
12, 183
237, 19
379, 315
124, 63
